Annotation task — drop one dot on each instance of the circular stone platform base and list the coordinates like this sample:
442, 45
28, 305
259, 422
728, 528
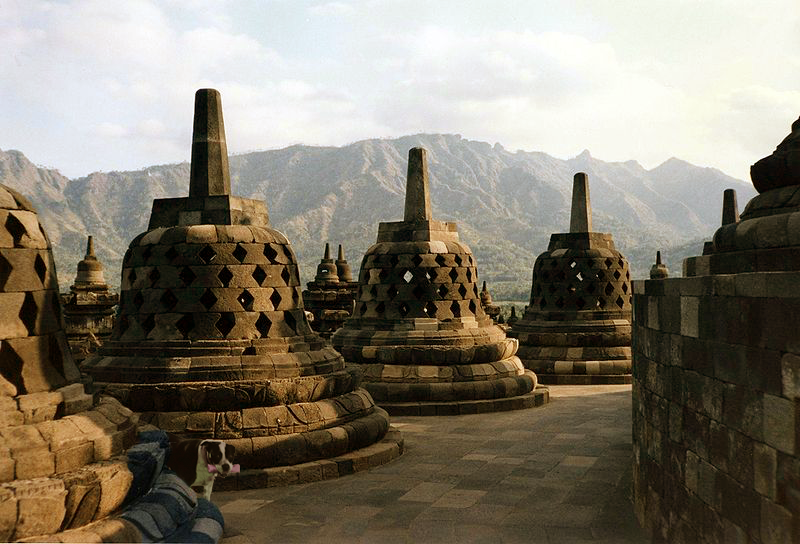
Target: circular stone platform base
584, 379
537, 397
390, 447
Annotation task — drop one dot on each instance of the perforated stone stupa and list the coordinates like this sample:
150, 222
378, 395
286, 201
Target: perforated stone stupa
426, 345
60, 453
577, 327
88, 307
331, 295
212, 339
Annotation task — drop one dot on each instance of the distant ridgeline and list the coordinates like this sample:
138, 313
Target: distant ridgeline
507, 204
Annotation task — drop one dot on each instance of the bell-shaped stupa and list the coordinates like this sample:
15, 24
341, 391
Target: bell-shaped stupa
212, 339
330, 296
61, 462
88, 307
577, 327
418, 328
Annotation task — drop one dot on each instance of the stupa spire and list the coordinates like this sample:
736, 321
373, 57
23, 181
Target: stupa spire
730, 209
90, 249
209, 174
340, 256
327, 255
581, 215
418, 198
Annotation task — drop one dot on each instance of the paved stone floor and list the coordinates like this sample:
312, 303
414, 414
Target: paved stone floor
558, 473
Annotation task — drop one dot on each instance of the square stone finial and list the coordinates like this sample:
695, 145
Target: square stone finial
581, 215
418, 199
210, 175
730, 209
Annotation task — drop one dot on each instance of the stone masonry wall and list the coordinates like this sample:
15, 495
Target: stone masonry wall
716, 407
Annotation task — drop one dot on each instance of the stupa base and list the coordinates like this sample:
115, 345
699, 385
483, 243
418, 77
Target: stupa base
379, 453
549, 372
537, 397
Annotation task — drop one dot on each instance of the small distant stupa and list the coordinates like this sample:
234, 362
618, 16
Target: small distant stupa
331, 295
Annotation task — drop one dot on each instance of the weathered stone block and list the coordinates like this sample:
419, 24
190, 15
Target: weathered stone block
765, 466
779, 423
690, 307
8, 512
40, 507
776, 523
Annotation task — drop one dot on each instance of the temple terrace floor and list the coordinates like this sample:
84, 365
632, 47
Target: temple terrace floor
558, 473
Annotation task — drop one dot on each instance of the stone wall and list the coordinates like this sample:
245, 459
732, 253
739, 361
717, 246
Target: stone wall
716, 407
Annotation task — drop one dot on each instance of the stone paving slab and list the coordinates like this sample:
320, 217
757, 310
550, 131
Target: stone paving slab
560, 473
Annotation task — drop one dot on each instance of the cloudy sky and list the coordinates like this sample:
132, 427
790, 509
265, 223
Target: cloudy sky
108, 85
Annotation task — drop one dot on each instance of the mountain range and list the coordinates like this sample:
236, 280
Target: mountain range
506, 203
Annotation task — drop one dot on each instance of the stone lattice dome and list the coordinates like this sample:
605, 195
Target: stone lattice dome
61, 463
418, 327
212, 338
576, 328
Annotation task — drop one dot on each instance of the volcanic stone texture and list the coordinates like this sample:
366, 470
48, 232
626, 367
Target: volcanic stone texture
418, 328
59, 451
576, 328
212, 339
716, 407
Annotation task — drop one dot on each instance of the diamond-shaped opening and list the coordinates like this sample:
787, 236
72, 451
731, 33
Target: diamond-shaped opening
620, 302
270, 253
187, 276
609, 289
417, 260
453, 275
246, 300
225, 276
608, 262
55, 304
475, 290
208, 299
28, 312
296, 296
560, 302
275, 299
462, 290
617, 275
570, 288
458, 259
404, 309
391, 292
473, 308
542, 303
363, 308
132, 276
579, 277
428, 275
147, 252
621, 263
383, 274
286, 276
627, 275
148, 324
154, 276
590, 288
600, 275
580, 303
408, 276
440, 260
259, 275
418, 291
624, 287
393, 260
15, 228
373, 290
442, 290
171, 253
225, 323
207, 254
380, 308
168, 299
469, 275
263, 324
430, 309
455, 308
288, 317
601, 302
185, 325
573, 264
138, 300
240, 253
40, 267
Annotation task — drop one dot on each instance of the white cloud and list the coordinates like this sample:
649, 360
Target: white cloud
331, 8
